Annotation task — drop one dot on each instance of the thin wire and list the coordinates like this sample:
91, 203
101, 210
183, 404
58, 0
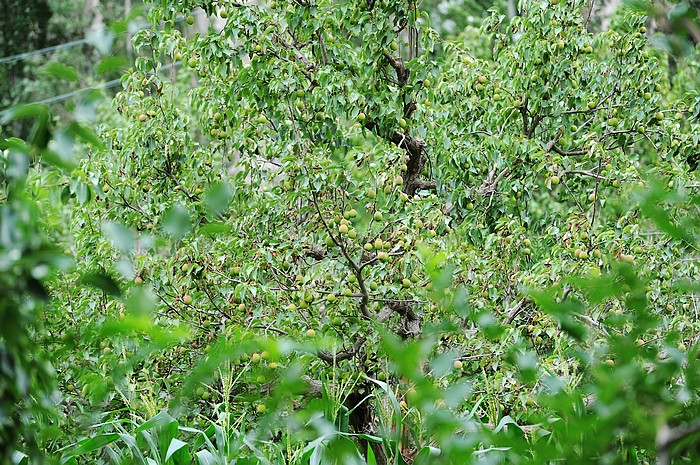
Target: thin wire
53, 48
41, 51
62, 97
66, 96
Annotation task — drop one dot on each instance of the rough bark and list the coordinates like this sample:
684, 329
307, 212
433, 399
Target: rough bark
415, 149
411, 322
361, 420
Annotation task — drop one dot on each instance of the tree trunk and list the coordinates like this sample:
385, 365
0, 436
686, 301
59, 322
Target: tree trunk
362, 422
127, 12
512, 9
92, 8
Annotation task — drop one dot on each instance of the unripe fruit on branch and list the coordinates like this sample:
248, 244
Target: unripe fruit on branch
627, 258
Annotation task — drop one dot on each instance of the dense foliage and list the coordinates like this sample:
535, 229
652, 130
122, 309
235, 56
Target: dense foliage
330, 235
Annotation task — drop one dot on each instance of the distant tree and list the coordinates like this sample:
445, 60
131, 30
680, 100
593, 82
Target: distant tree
23, 28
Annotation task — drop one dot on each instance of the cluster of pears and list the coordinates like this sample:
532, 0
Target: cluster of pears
217, 130
346, 228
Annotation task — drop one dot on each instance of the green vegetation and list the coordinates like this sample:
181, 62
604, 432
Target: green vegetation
357, 241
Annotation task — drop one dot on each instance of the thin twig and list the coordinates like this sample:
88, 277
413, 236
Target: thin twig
356, 269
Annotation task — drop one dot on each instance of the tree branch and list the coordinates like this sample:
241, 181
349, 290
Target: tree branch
586, 173
322, 45
570, 153
666, 437
402, 74
411, 324
356, 269
415, 148
347, 354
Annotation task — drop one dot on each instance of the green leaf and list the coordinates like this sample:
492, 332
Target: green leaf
371, 459
204, 457
213, 229
85, 134
176, 222
14, 143
57, 160
681, 11
110, 64
651, 202
131, 443
19, 458
427, 455
90, 444
65, 195
175, 446
565, 312
103, 282
84, 193
398, 416
122, 237
217, 199
101, 39
506, 420
61, 71
25, 112
161, 419
140, 303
